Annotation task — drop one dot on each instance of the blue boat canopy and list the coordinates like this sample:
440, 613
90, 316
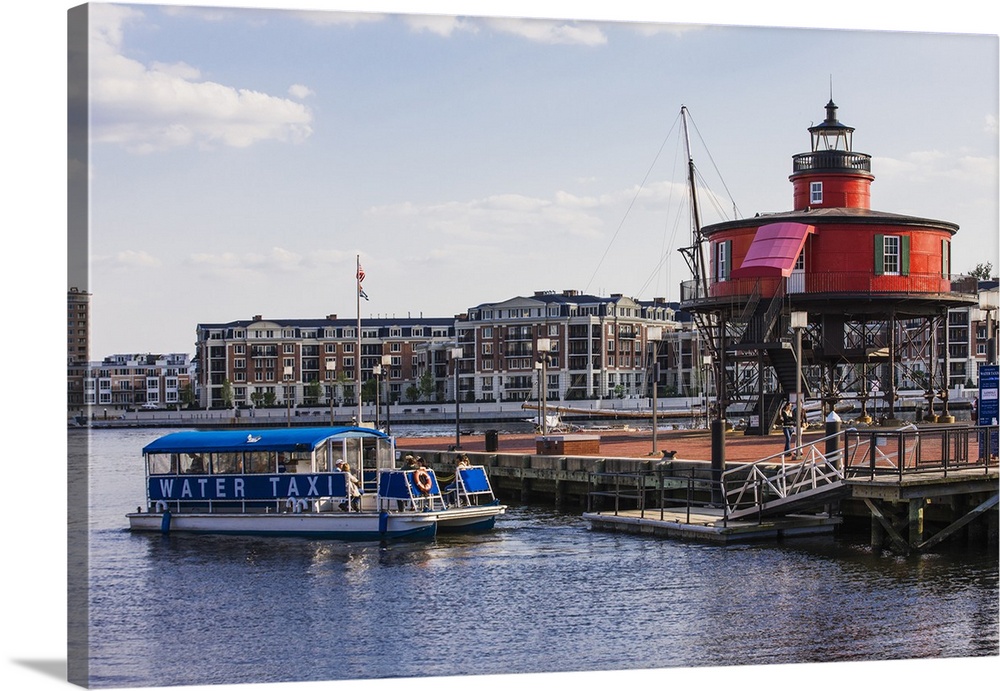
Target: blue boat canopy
278, 439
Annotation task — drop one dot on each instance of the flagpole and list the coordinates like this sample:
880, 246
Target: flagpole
357, 357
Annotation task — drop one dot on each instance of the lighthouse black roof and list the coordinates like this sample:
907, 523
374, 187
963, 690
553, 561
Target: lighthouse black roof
822, 216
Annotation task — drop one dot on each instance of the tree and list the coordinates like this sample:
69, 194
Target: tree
426, 384
412, 393
227, 394
983, 272
187, 395
312, 392
369, 389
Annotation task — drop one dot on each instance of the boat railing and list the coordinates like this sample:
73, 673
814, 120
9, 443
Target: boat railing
402, 490
470, 487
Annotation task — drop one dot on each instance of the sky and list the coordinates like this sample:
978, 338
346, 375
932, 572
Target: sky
465, 161
242, 160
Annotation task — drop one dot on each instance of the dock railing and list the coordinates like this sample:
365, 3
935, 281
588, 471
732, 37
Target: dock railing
651, 492
912, 450
804, 477
811, 467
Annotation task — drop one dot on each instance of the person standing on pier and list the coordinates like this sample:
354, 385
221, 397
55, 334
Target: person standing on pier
788, 424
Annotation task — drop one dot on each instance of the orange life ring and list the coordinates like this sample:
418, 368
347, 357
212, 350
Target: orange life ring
422, 479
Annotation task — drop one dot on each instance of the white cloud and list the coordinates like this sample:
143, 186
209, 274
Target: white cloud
990, 124
441, 25
549, 31
153, 107
924, 166
333, 18
300, 91
127, 260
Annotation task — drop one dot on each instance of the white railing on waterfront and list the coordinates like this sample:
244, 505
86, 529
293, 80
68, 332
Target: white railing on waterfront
774, 479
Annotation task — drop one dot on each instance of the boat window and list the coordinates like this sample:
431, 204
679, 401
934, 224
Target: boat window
299, 462
192, 463
322, 459
162, 463
228, 463
260, 462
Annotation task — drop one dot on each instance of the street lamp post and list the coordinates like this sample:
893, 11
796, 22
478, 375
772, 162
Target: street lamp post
329, 386
386, 362
544, 346
288, 399
800, 320
706, 364
988, 302
456, 354
377, 373
654, 334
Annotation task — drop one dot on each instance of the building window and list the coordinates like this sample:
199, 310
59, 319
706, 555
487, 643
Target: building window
892, 255
723, 257
815, 192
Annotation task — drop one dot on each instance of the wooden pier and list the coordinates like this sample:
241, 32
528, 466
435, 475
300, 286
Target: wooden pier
913, 489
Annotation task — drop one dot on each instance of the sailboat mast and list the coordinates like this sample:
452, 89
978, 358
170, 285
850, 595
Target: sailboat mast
357, 354
698, 261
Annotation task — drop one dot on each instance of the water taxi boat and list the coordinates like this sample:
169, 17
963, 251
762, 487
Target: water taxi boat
288, 481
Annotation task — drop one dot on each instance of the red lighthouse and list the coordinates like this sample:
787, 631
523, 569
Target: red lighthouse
851, 274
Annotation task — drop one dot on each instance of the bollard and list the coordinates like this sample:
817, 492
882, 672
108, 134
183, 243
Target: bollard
832, 434
718, 460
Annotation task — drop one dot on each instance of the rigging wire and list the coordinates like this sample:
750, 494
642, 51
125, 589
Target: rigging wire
631, 204
716, 168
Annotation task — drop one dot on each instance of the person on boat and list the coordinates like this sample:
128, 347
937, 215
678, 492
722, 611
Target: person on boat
788, 424
197, 465
463, 461
353, 493
409, 463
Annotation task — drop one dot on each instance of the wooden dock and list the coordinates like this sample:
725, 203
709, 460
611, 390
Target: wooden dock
708, 524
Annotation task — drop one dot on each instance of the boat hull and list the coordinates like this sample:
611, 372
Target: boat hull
469, 519
344, 526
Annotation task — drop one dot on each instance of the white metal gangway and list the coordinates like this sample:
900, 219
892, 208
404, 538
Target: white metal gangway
802, 478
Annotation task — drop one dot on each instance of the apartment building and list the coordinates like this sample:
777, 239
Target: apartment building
260, 362
138, 380
593, 347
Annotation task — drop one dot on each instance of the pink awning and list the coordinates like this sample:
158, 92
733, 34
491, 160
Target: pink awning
774, 249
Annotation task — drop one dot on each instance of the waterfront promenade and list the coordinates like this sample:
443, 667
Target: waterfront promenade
689, 445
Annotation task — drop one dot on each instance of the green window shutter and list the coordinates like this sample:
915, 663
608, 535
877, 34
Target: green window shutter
729, 258
879, 251
904, 255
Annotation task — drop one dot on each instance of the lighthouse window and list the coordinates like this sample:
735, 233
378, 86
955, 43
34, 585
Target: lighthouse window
815, 192
723, 250
892, 255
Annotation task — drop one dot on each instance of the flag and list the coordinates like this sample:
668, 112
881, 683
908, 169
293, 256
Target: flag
361, 277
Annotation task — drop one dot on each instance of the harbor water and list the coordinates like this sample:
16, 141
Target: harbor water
541, 593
